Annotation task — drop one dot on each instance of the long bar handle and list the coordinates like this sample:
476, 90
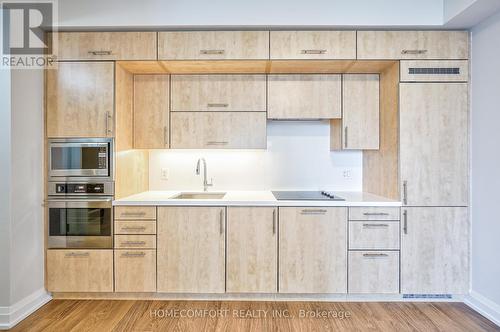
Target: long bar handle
211, 52
217, 142
134, 228
221, 222
345, 137
133, 254
405, 192
134, 243
405, 221
100, 52
413, 52
133, 214
274, 221
109, 129
217, 105
375, 225
375, 214
313, 51
165, 135
76, 254
375, 255
313, 211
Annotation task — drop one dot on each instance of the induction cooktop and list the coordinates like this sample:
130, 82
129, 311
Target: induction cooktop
306, 196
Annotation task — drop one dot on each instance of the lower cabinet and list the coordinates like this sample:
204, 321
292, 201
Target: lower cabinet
435, 250
135, 270
375, 272
252, 250
79, 270
312, 250
191, 249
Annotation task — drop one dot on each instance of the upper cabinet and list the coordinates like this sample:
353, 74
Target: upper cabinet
80, 99
386, 45
106, 45
213, 45
313, 45
219, 93
304, 96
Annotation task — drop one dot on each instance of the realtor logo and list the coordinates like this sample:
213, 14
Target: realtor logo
24, 42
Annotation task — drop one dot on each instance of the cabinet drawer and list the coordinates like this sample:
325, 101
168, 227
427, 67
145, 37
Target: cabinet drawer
106, 45
135, 227
135, 212
135, 270
374, 272
210, 45
80, 270
218, 130
135, 241
413, 45
304, 96
313, 45
374, 213
434, 71
374, 235
219, 93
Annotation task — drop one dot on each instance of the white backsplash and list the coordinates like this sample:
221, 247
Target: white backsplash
298, 156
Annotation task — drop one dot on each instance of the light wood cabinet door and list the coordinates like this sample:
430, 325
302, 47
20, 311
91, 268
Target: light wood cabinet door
80, 270
436, 45
151, 111
191, 249
80, 99
312, 250
134, 212
106, 45
360, 108
218, 130
304, 96
434, 144
213, 45
252, 250
135, 270
219, 93
435, 250
373, 272
374, 235
313, 45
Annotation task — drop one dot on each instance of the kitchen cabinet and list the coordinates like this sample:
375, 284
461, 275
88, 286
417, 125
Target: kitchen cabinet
374, 235
394, 45
213, 45
304, 96
372, 213
151, 111
219, 93
218, 130
360, 108
252, 250
135, 212
373, 272
312, 250
79, 270
434, 71
434, 144
435, 250
191, 249
80, 99
105, 45
313, 45
135, 270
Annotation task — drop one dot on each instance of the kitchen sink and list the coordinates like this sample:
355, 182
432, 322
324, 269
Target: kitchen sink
200, 196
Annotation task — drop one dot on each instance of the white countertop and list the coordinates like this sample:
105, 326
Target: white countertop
252, 198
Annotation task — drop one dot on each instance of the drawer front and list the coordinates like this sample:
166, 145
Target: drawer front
106, 45
374, 235
218, 130
375, 272
135, 241
135, 270
434, 71
213, 45
219, 93
80, 270
413, 45
135, 227
135, 212
374, 213
313, 45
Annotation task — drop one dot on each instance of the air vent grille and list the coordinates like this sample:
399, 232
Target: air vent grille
434, 71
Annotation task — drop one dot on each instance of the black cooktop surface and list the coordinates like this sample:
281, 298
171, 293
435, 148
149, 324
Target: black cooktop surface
306, 196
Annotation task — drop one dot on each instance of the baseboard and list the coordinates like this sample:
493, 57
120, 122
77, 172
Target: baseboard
10, 316
484, 306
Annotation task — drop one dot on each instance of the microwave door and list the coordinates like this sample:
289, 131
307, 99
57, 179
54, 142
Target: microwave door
79, 159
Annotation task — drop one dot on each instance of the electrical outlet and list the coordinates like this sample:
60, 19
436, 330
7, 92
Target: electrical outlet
346, 174
164, 173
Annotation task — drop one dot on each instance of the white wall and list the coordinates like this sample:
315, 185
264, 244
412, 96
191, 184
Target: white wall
298, 157
164, 13
451, 8
485, 180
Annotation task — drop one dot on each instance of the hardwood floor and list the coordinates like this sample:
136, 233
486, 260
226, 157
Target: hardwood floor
106, 315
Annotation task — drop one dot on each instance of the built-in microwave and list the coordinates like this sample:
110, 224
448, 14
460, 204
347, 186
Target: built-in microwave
80, 158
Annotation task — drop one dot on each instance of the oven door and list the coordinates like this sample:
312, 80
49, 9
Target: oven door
80, 223
73, 158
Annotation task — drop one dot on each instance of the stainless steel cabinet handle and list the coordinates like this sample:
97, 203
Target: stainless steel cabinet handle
274, 221
375, 225
405, 222
76, 254
217, 143
101, 52
413, 52
217, 105
313, 51
313, 211
375, 214
375, 255
132, 228
405, 192
221, 222
134, 243
345, 137
165, 134
133, 214
108, 117
133, 254
209, 52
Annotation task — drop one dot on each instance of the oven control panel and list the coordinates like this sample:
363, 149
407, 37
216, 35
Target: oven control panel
74, 188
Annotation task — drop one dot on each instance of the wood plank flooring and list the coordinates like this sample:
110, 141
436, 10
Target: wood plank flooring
128, 315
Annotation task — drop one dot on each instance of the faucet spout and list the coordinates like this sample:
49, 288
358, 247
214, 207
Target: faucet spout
206, 184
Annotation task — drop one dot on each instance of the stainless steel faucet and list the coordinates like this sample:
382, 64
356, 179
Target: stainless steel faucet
205, 182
